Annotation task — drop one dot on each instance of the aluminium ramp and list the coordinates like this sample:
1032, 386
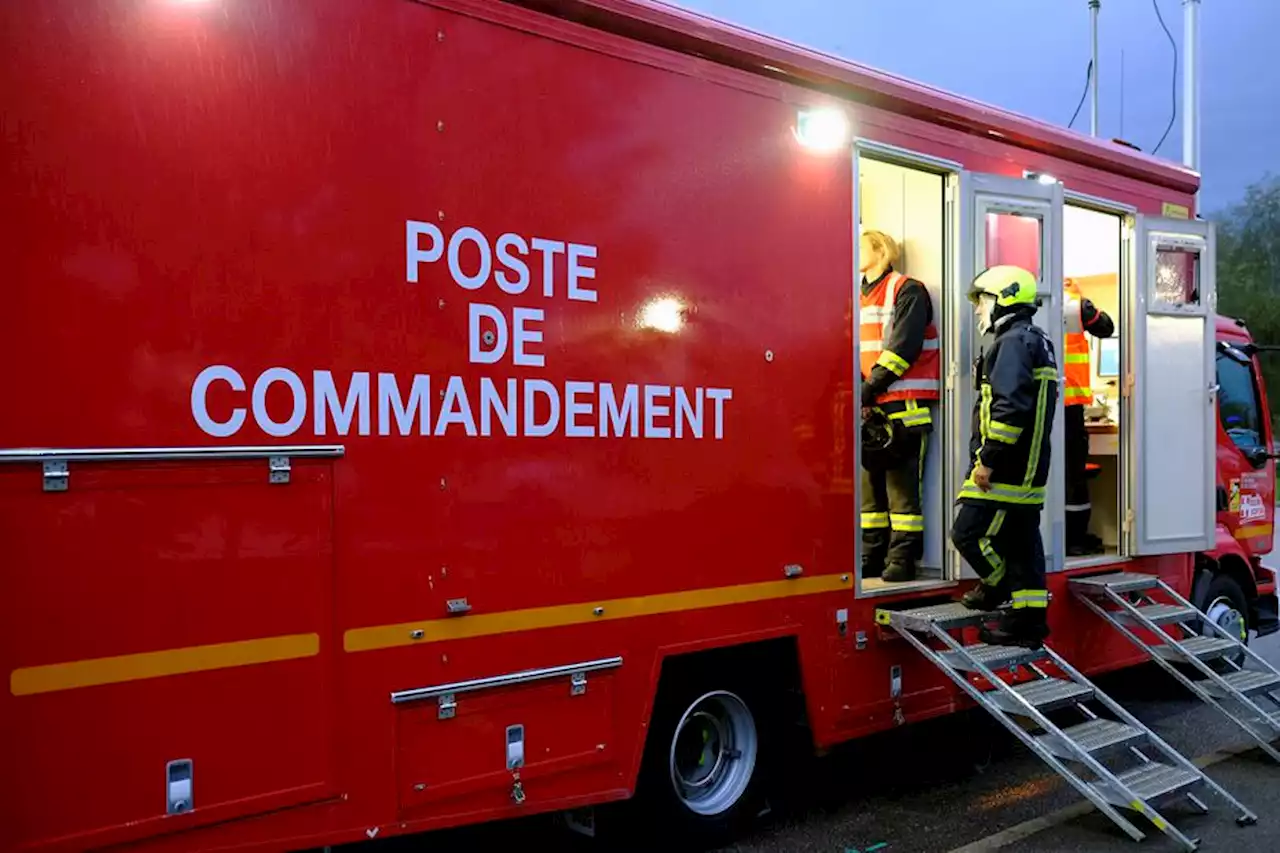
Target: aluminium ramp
1233, 678
1108, 760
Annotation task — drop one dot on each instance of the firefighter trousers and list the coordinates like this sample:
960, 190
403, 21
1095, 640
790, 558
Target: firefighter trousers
1002, 543
892, 513
1078, 507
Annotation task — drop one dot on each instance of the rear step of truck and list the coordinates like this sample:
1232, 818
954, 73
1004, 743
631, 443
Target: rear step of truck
1244, 687
1087, 753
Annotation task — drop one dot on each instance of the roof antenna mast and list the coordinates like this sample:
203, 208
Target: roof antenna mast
1191, 87
1094, 7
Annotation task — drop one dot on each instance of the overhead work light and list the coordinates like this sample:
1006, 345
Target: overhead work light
823, 129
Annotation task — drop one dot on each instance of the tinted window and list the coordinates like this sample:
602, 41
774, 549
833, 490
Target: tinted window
1238, 403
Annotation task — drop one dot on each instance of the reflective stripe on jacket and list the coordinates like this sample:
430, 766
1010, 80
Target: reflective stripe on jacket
918, 380
1076, 389
1013, 416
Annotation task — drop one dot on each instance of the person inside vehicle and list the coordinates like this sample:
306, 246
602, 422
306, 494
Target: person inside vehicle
899, 361
1082, 318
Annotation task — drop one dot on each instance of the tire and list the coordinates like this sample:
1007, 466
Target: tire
706, 758
1224, 602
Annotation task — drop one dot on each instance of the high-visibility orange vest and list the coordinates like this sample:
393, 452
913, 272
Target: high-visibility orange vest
1076, 390
918, 381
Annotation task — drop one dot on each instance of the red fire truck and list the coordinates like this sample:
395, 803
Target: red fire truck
428, 413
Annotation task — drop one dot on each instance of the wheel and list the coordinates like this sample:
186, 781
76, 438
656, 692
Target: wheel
1223, 601
704, 761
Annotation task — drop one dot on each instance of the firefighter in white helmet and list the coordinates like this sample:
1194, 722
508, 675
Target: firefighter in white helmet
997, 529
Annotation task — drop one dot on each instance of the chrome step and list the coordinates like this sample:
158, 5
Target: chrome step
1159, 614
1043, 694
1247, 682
1236, 695
951, 614
1076, 752
992, 657
1203, 648
1094, 737
1151, 781
1118, 581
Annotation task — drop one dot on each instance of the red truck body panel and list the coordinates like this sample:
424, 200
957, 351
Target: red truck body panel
1246, 524
232, 186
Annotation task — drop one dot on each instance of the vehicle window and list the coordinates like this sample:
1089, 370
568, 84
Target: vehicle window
1238, 403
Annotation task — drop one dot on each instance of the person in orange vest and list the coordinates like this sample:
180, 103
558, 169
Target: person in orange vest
1082, 318
899, 361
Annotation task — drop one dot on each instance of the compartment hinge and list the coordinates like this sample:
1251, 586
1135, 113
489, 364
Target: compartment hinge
279, 468
57, 475
447, 707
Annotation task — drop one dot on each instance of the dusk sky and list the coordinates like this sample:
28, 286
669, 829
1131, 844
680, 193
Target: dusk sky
1034, 62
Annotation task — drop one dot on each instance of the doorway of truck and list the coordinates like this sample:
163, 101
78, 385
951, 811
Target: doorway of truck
906, 197
1093, 365
1010, 221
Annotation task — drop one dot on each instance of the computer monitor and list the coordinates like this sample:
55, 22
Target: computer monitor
1107, 358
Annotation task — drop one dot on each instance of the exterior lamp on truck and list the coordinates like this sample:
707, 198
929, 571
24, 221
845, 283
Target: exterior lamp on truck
1040, 178
823, 130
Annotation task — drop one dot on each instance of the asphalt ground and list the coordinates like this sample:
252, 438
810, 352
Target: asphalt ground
962, 784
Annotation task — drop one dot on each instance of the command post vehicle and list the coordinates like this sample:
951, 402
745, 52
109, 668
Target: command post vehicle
428, 413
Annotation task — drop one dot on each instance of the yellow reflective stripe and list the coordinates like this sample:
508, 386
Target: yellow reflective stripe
996, 575
1045, 374
893, 362
1036, 599
919, 417
593, 611
1076, 391
93, 672
1001, 493
984, 414
1077, 358
997, 521
875, 520
1007, 433
906, 523
1037, 435
993, 559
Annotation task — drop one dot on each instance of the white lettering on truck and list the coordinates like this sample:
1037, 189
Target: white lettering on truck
471, 406
533, 408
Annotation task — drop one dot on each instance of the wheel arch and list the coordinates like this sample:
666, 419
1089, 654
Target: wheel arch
772, 665
1231, 563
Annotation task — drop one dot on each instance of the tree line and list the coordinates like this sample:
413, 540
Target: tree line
1249, 271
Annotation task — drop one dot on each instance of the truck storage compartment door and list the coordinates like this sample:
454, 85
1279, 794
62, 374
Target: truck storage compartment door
491, 742
167, 640
1169, 388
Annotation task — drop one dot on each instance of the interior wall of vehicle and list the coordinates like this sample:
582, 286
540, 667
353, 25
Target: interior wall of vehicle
1091, 259
909, 205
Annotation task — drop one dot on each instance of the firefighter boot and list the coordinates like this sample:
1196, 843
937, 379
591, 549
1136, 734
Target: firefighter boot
899, 572
985, 598
1026, 628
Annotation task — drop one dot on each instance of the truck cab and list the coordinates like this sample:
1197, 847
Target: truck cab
1232, 584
